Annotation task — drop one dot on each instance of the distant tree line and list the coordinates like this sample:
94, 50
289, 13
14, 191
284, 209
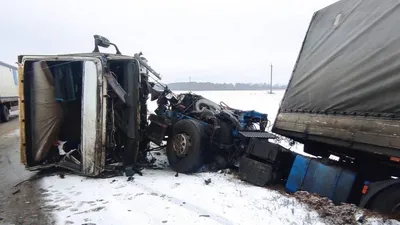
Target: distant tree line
206, 86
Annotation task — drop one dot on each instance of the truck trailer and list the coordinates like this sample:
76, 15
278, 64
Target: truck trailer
8, 90
341, 100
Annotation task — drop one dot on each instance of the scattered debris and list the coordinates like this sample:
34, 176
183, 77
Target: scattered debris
113, 181
42, 190
177, 175
131, 178
331, 213
176, 185
208, 181
37, 176
204, 215
17, 191
361, 219
97, 209
225, 171
138, 171
164, 221
28, 202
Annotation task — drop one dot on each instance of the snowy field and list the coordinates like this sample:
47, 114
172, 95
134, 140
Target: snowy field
161, 197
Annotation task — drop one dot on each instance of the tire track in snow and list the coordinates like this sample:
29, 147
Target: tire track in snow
74, 199
114, 211
188, 206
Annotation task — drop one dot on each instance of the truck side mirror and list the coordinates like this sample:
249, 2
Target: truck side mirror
103, 42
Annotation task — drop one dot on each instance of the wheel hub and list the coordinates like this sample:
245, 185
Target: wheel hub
181, 144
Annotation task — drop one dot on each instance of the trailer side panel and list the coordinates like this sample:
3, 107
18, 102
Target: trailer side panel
347, 77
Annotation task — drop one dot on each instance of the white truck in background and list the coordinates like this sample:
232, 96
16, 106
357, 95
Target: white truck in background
8, 90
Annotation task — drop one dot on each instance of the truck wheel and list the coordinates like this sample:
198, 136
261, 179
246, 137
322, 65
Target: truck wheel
388, 201
185, 146
4, 113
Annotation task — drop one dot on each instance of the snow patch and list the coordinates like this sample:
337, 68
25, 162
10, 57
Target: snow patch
161, 197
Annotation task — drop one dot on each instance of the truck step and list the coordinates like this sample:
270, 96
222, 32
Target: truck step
257, 134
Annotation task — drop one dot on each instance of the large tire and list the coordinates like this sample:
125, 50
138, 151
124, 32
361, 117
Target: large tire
4, 113
388, 201
192, 133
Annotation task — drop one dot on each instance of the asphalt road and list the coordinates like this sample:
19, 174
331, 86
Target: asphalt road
19, 204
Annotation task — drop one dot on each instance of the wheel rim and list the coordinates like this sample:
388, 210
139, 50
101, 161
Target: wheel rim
181, 144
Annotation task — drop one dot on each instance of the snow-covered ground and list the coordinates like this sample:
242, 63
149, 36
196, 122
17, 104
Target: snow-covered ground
161, 197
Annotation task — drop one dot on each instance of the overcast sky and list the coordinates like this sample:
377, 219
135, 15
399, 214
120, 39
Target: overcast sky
209, 40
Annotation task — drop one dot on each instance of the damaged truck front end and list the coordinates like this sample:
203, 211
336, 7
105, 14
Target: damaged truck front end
201, 134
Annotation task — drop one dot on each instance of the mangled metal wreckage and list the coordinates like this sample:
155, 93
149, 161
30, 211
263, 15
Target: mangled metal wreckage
88, 113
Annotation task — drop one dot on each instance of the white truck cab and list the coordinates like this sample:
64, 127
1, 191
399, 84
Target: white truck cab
65, 100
